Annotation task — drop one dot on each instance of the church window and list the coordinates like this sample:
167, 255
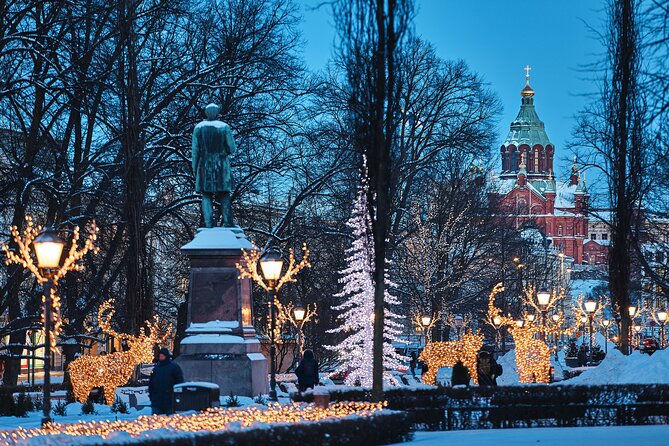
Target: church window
593, 236
605, 236
559, 229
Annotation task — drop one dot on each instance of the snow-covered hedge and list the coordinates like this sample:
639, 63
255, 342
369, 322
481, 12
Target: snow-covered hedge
384, 427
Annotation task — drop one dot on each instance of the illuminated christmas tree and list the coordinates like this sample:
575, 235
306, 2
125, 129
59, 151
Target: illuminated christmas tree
356, 314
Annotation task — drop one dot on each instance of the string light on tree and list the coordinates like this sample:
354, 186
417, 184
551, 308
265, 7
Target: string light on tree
23, 255
356, 313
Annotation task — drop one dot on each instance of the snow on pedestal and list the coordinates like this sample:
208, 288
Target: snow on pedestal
221, 345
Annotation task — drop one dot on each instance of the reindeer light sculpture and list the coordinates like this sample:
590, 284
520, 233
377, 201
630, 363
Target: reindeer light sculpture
115, 369
447, 353
532, 354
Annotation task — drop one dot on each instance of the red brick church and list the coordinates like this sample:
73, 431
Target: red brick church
526, 191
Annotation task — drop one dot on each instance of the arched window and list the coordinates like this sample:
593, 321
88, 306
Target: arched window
522, 207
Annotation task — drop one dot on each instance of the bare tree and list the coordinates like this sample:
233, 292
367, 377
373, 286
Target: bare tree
614, 131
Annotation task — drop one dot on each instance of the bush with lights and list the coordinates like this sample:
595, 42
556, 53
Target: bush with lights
346, 423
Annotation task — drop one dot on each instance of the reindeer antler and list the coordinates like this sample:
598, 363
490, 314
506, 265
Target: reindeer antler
105, 325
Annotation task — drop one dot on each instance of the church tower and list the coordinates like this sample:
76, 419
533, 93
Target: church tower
527, 140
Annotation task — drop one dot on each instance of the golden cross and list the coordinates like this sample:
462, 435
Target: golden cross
527, 73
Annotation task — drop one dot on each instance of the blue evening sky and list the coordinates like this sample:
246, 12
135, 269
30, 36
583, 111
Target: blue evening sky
497, 38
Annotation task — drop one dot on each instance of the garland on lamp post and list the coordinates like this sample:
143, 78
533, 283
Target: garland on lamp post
271, 281
40, 251
425, 323
297, 317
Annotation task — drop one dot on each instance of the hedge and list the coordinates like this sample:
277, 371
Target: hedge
520, 406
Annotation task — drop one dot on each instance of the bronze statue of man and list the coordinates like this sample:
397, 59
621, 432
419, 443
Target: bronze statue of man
213, 145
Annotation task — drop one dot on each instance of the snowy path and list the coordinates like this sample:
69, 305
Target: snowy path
555, 436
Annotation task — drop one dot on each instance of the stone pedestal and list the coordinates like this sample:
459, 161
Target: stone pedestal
221, 345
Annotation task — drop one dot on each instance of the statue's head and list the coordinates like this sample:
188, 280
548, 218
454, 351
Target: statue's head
212, 111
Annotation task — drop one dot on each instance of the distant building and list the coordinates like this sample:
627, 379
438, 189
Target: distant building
526, 192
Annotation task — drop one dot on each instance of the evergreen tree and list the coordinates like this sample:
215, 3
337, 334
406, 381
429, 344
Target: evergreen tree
357, 312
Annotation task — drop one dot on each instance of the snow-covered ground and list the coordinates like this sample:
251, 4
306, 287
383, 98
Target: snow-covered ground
554, 436
73, 415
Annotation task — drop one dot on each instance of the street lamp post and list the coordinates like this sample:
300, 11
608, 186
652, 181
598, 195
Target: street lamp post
606, 323
48, 249
543, 299
497, 322
631, 310
458, 324
662, 319
271, 264
298, 314
425, 321
590, 306
637, 330
556, 318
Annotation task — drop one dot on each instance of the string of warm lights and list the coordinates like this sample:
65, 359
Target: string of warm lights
286, 315
532, 355
211, 420
419, 320
447, 353
248, 268
580, 311
114, 369
452, 320
23, 256
530, 298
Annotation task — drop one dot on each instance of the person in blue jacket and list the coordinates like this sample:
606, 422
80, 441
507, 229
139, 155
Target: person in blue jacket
165, 375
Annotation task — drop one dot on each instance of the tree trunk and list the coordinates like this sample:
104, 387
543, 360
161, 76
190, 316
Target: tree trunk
139, 302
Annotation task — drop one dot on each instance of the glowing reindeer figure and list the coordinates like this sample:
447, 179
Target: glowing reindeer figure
532, 355
533, 359
447, 353
115, 369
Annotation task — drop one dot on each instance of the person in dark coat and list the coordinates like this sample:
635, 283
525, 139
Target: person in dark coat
307, 371
460, 375
487, 369
161, 383
412, 364
582, 356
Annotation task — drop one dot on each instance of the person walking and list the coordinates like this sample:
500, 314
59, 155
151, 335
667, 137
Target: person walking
460, 375
413, 361
307, 371
582, 356
165, 375
487, 369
